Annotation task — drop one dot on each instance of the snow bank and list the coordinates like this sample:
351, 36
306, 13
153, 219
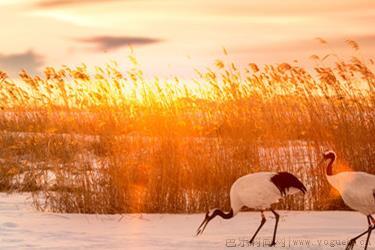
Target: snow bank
22, 227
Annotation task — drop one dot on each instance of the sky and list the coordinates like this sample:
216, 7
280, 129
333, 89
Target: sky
172, 37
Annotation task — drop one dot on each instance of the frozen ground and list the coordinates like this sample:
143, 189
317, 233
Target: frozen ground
22, 227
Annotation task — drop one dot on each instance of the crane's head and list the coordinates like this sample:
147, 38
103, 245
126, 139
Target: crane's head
209, 216
328, 155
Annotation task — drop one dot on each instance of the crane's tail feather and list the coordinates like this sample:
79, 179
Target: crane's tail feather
284, 180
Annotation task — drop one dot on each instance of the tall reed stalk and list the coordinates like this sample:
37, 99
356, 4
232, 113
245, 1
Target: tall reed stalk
107, 141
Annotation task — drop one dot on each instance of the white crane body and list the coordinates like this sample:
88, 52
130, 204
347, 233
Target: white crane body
357, 190
256, 191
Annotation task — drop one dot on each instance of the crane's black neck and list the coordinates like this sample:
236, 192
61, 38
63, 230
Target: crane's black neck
329, 170
222, 214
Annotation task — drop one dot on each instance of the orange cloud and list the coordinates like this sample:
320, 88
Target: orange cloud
13, 63
115, 42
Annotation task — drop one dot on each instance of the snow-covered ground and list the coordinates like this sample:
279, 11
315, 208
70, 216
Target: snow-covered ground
21, 227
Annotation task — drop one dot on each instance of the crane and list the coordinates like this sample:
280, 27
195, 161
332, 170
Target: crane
257, 191
357, 189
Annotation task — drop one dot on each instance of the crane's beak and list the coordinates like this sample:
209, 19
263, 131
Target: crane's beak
203, 225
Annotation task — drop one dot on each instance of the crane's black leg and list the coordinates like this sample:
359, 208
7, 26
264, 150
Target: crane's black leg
260, 226
368, 231
372, 219
277, 217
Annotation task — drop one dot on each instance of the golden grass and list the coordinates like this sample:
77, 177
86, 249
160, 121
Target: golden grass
114, 141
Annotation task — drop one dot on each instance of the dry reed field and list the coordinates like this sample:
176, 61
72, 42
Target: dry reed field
108, 140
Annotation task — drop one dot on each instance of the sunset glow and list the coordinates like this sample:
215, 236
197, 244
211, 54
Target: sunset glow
172, 37
133, 124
